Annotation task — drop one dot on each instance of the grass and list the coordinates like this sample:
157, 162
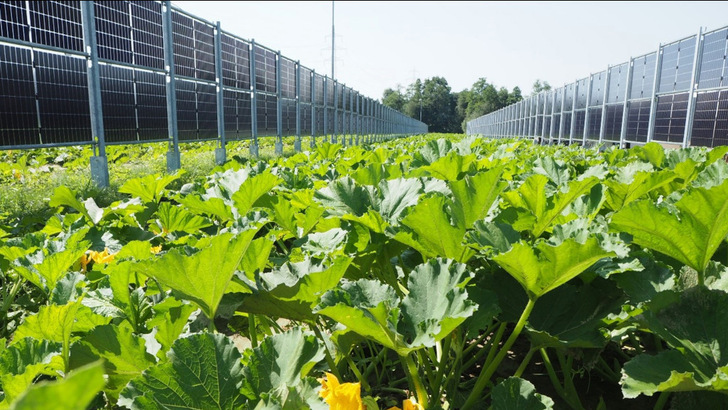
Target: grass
29, 178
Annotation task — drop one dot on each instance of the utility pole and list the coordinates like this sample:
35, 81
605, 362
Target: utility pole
333, 37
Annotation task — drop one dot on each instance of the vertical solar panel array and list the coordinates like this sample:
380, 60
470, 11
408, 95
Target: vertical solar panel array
194, 64
237, 87
329, 127
647, 98
305, 100
46, 66
710, 126
319, 92
265, 85
288, 96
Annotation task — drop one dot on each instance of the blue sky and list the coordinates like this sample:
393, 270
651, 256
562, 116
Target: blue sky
385, 44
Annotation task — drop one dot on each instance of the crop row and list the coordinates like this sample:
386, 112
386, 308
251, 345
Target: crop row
428, 273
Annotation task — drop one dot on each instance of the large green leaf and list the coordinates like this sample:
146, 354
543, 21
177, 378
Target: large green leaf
516, 393
202, 277
170, 319
556, 170
691, 237
694, 325
344, 196
125, 356
365, 306
544, 267
437, 302
52, 322
396, 195
74, 392
435, 305
623, 192
252, 190
46, 273
652, 152
203, 371
212, 206
539, 210
448, 168
642, 286
176, 218
433, 150
327, 150
474, 195
281, 362
436, 236
574, 317
149, 188
293, 290
62, 196
493, 236
23, 362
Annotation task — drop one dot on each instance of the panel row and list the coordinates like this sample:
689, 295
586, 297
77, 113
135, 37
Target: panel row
644, 99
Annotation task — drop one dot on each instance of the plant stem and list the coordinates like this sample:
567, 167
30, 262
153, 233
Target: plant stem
477, 341
552, 373
524, 363
252, 332
444, 356
411, 368
662, 400
356, 372
495, 341
329, 358
485, 375
570, 389
425, 365
374, 362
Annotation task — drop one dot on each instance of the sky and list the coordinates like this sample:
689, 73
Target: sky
388, 44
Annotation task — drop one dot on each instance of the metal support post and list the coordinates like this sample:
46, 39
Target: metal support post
173, 157
219, 151
655, 89
313, 109
253, 103
99, 164
351, 117
553, 108
527, 122
297, 142
543, 119
326, 106
693, 92
572, 126
603, 124
279, 107
561, 117
358, 117
625, 107
586, 108
335, 134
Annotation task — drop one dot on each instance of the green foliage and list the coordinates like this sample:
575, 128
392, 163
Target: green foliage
202, 371
429, 269
203, 276
516, 393
73, 392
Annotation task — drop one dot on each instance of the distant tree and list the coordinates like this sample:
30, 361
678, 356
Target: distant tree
539, 86
515, 96
438, 106
442, 110
394, 99
414, 101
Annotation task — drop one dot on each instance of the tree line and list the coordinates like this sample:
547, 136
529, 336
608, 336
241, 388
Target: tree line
433, 102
